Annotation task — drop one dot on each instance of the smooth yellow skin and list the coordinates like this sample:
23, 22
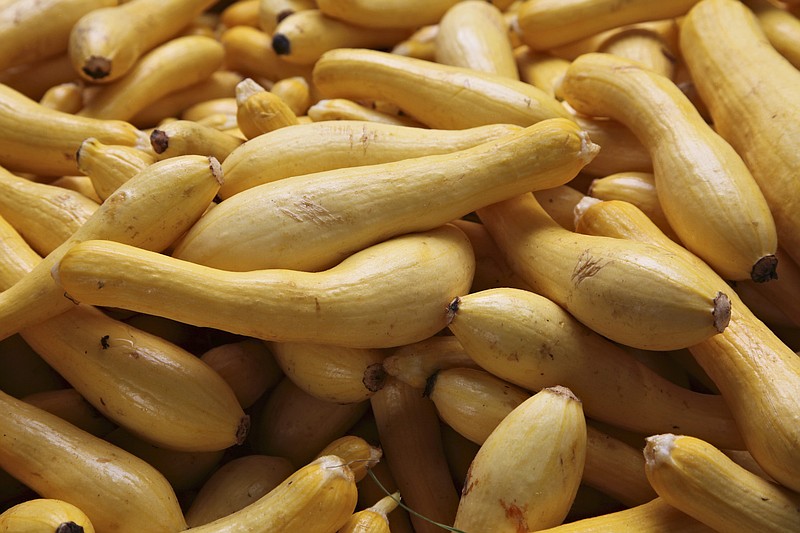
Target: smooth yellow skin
258, 111
749, 90
134, 378
295, 92
635, 293
646, 47
312, 222
757, 374
540, 69
781, 27
222, 83
387, 13
655, 516
172, 66
270, 12
356, 452
151, 210
703, 482
308, 148
473, 34
545, 24
45, 215
410, 436
418, 48
206, 109
530, 341
244, 13
332, 373
43, 515
706, 191
118, 491
474, 402
109, 166
317, 498
121, 34
763, 298
31, 31
142, 382
235, 485
65, 97
560, 203
344, 109
27, 143
249, 50
305, 35
185, 137
366, 301
526, 473
441, 96
638, 188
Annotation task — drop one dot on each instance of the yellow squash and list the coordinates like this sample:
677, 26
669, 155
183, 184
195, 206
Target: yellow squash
546, 24
633, 293
302, 37
317, 498
31, 31
151, 210
389, 294
136, 379
313, 221
526, 474
410, 437
308, 148
703, 482
119, 492
708, 194
177, 64
749, 89
45, 515
441, 96
656, 516
235, 485
756, 372
110, 165
27, 142
534, 343
332, 373
106, 43
474, 34
387, 13
45, 215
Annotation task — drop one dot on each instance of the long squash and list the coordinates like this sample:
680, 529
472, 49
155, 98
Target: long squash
751, 92
151, 210
389, 294
757, 374
119, 492
708, 194
314, 221
633, 293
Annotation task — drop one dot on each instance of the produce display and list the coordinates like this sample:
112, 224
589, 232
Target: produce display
349, 266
